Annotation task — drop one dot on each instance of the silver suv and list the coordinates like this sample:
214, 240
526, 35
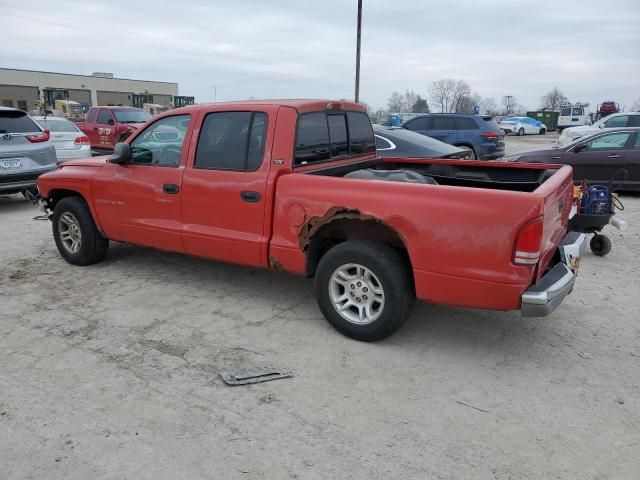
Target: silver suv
25, 152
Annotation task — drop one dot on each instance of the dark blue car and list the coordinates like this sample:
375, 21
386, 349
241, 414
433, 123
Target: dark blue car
477, 132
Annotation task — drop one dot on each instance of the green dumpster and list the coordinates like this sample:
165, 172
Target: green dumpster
549, 118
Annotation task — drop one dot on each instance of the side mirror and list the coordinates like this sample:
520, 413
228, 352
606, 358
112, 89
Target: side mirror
121, 154
111, 122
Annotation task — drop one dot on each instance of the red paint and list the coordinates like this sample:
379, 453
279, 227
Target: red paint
460, 240
104, 136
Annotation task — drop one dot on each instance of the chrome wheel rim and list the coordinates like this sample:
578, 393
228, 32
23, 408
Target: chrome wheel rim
356, 294
69, 232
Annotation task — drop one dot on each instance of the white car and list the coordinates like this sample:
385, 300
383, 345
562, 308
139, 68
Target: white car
573, 117
522, 126
69, 141
615, 120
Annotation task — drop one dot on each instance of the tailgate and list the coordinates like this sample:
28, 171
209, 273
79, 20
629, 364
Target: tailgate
558, 199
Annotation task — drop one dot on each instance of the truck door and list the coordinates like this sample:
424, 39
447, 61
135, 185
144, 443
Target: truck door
140, 202
599, 158
224, 186
90, 122
105, 130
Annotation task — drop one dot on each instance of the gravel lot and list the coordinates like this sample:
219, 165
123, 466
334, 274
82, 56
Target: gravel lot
112, 372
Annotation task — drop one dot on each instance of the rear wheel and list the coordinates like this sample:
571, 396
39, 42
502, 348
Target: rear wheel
521, 132
600, 245
559, 130
472, 154
364, 289
75, 233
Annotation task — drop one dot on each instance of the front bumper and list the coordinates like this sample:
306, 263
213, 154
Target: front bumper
545, 296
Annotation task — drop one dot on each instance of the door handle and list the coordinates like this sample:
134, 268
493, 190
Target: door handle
614, 155
556, 158
170, 188
250, 197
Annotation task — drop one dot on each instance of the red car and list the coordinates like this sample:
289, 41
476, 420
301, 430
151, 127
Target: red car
296, 185
107, 126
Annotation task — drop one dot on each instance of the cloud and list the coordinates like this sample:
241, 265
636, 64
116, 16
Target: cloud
286, 48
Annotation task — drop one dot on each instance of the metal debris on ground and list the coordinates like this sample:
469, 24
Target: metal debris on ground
246, 376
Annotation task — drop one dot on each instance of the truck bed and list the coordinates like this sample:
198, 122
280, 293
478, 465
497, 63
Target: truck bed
474, 174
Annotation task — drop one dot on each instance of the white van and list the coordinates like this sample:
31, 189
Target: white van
575, 116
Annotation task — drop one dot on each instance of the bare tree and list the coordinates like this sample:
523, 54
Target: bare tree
489, 107
460, 97
509, 104
636, 105
396, 102
553, 100
441, 93
409, 98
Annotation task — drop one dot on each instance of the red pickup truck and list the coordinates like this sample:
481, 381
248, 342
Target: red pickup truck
296, 185
107, 126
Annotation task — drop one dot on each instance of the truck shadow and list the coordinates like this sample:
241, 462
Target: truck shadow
430, 326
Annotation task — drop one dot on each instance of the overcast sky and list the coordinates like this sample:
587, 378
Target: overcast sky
288, 48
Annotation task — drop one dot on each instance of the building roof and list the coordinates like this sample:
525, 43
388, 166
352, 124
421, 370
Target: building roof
86, 76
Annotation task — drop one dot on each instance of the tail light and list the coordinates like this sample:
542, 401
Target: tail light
491, 135
528, 242
39, 137
81, 140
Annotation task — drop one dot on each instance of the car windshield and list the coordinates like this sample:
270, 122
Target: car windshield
16, 121
511, 119
57, 125
565, 112
131, 116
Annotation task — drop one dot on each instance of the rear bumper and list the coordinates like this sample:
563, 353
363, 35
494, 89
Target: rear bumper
21, 181
545, 296
73, 154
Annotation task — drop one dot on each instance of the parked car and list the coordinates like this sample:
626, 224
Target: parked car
400, 142
573, 117
596, 157
522, 126
25, 152
106, 126
297, 186
479, 133
66, 137
617, 120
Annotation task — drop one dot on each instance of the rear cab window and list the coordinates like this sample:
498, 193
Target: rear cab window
17, 121
565, 112
322, 136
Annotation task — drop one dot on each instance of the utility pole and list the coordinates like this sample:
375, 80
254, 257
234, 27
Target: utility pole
358, 51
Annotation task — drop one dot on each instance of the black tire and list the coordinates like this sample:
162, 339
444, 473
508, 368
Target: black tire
600, 245
559, 130
521, 132
92, 245
472, 155
30, 193
543, 131
390, 270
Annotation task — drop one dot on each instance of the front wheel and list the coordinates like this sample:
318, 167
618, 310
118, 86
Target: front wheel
364, 289
521, 132
75, 233
542, 131
600, 245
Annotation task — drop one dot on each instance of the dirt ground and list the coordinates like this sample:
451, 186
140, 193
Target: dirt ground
112, 372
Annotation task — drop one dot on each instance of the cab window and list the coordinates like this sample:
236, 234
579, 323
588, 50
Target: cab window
161, 143
104, 117
232, 141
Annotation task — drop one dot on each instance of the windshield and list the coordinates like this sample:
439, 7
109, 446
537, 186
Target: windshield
131, 116
565, 112
59, 125
511, 119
